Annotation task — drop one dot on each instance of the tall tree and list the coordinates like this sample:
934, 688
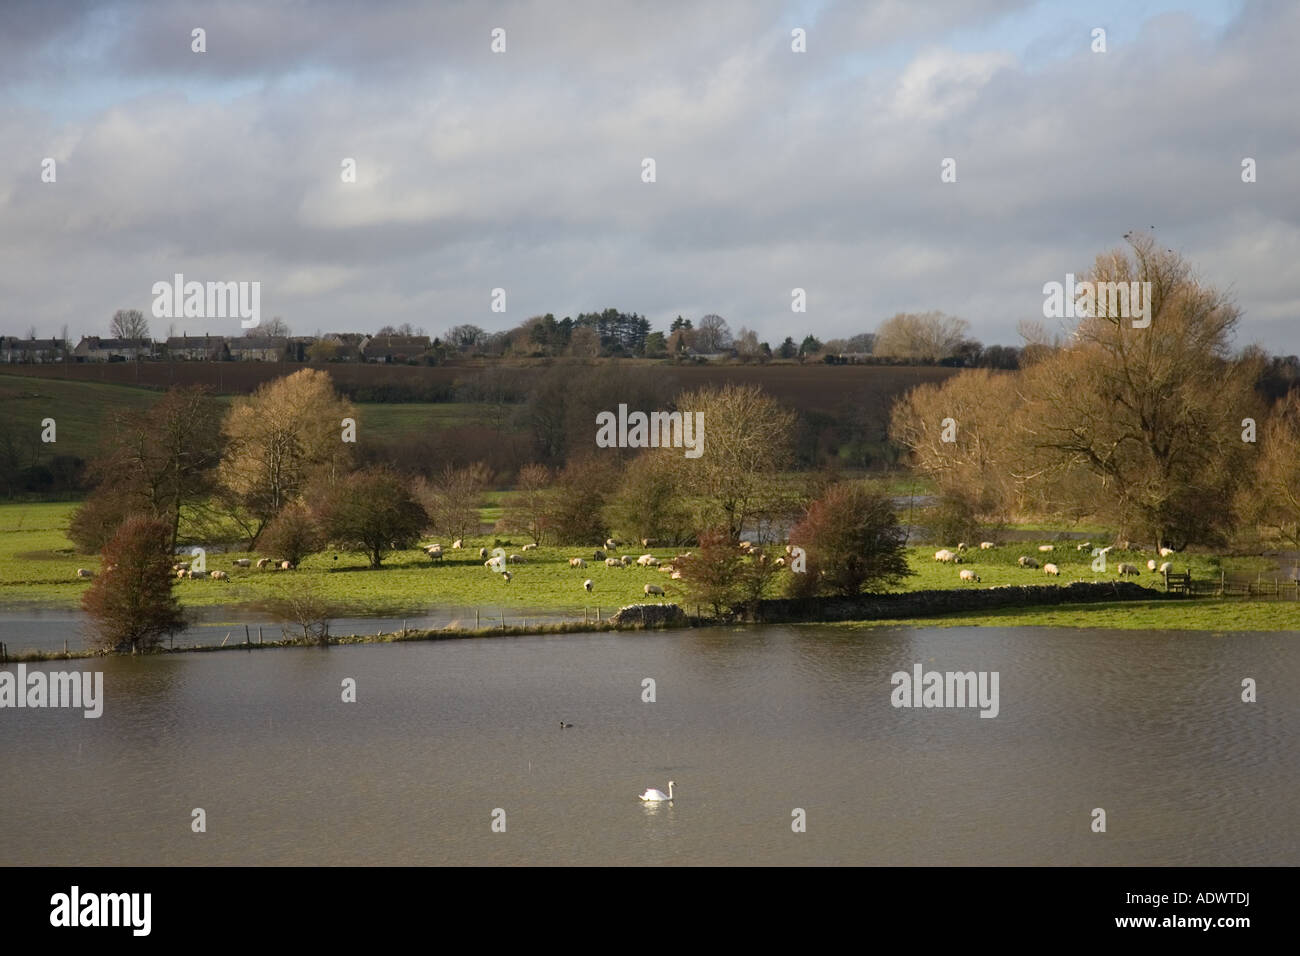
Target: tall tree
712, 335
925, 336
453, 498
852, 541
371, 511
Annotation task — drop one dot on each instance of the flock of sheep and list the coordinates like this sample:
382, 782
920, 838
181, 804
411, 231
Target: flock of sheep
1123, 569
498, 562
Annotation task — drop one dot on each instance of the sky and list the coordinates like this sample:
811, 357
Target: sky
523, 170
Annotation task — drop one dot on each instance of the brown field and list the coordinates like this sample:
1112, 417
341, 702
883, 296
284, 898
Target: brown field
842, 392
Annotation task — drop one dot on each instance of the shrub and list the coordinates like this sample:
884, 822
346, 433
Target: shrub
131, 605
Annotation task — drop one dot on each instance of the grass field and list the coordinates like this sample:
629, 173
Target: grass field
38, 564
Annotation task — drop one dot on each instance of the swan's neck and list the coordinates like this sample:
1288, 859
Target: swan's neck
670, 791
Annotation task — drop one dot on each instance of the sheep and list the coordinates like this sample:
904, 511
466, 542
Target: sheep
577, 563
626, 560
458, 544
653, 589
529, 547
506, 575
613, 563
515, 559
1050, 568
789, 549
1047, 547
961, 546
85, 573
943, 555
1151, 564
242, 562
586, 585
746, 545
647, 561
263, 562
1166, 552
180, 567
434, 551
610, 544
1165, 568
779, 562
286, 565
197, 574
183, 573
1124, 569
598, 555
968, 575
482, 552
649, 543
220, 576
987, 545
676, 575
1026, 562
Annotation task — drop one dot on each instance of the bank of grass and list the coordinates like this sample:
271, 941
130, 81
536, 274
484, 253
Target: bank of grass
38, 564
1201, 614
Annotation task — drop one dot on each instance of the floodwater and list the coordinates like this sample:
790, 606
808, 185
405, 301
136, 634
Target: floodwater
752, 724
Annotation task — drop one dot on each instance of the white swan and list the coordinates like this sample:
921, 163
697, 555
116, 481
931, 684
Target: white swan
658, 796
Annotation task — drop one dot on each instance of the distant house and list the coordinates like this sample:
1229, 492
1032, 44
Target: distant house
198, 348
261, 348
92, 348
395, 348
14, 350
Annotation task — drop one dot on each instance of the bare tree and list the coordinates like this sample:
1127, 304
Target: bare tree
129, 324
924, 336
712, 335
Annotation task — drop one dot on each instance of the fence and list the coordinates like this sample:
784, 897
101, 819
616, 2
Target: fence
1223, 586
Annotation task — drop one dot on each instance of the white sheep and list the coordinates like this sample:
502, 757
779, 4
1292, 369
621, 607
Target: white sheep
482, 552
577, 563
515, 559
587, 584
968, 575
1125, 568
676, 575
1166, 552
1166, 567
529, 547
242, 562
613, 563
961, 546
286, 565
647, 560
987, 546
944, 555
198, 574
1151, 564
458, 544
1026, 562
85, 573
263, 562
507, 576
598, 555
649, 542
1047, 547
220, 576
626, 560
183, 573
434, 552
1050, 568
653, 589
610, 544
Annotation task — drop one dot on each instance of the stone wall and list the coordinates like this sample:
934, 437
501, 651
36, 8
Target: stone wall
872, 607
650, 615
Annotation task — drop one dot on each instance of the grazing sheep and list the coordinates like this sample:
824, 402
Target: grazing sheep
598, 555
626, 560
968, 575
780, 562
746, 545
286, 565
458, 544
515, 559
961, 546
529, 547
507, 576
987, 545
653, 589
1165, 568
220, 576
649, 543
482, 552
1151, 564
1047, 547
610, 544
789, 549
647, 561
85, 573
434, 552
197, 574
577, 563
1166, 552
183, 573
1124, 569
944, 555
676, 575
1050, 568
1026, 562
613, 563
263, 562
242, 562
586, 585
